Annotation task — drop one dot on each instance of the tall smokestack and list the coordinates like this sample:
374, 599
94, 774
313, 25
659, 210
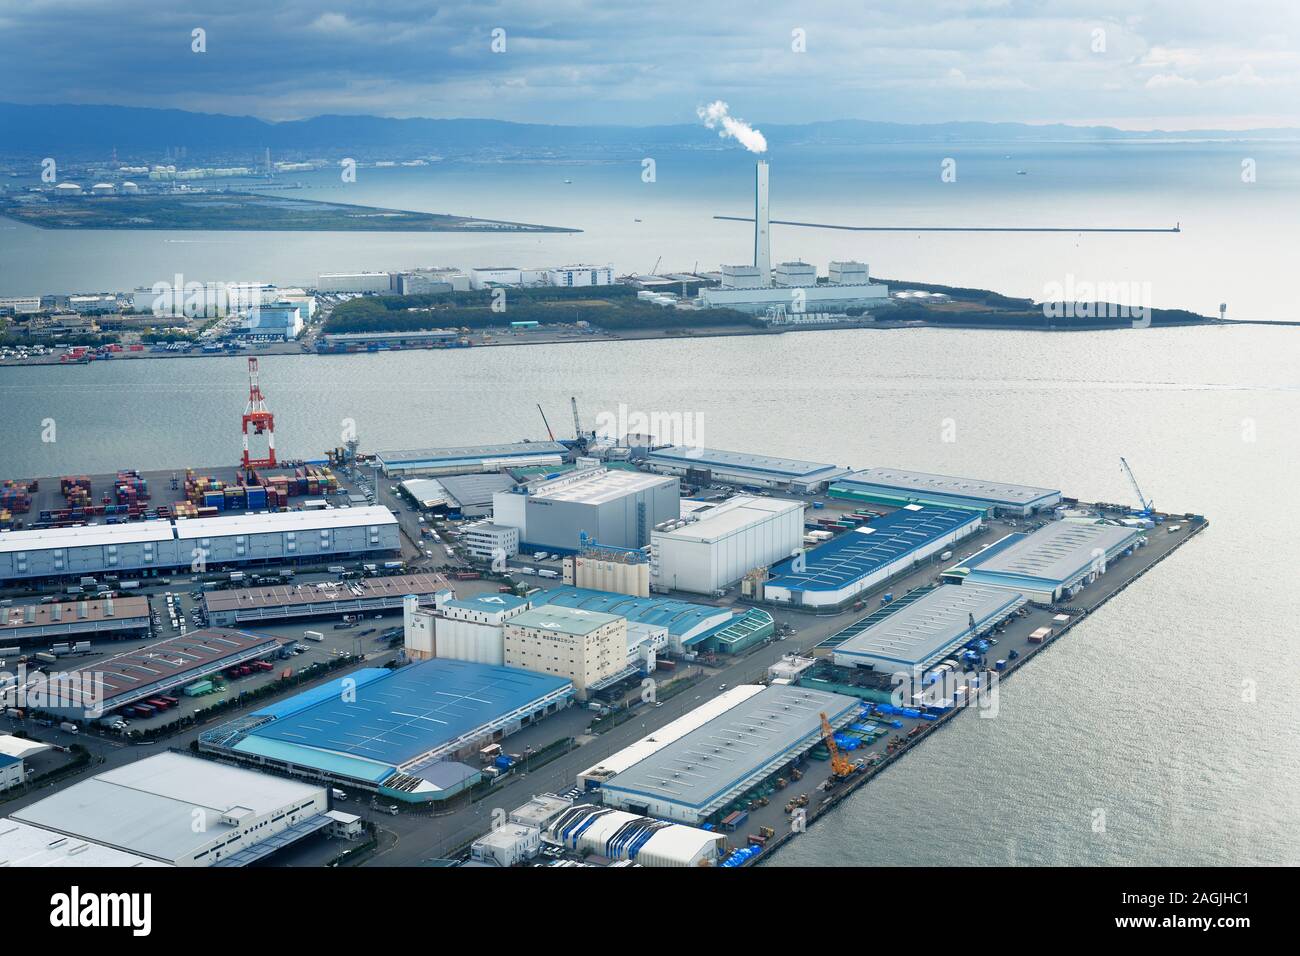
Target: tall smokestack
762, 245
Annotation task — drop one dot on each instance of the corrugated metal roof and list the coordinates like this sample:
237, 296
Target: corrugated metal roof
411, 711
935, 623
688, 457
280, 521
1055, 552
597, 485
682, 618
858, 553
994, 492
633, 754
41, 539
148, 806
706, 765
408, 456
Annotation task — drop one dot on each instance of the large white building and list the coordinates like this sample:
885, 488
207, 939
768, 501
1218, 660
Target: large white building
284, 536
466, 629
354, 282
587, 647
185, 811
484, 539
580, 275
711, 548
612, 507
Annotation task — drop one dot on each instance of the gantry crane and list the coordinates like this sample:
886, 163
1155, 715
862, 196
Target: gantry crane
263, 422
1148, 506
841, 766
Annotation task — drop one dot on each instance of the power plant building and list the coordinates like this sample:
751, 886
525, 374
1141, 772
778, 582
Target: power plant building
711, 548
894, 487
615, 507
794, 285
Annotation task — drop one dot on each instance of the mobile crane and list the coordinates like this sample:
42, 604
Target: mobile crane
841, 766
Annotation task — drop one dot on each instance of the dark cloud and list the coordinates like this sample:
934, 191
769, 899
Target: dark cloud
1188, 63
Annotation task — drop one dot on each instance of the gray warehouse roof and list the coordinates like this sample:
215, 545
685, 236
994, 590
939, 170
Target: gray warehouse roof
685, 456
24, 845
931, 626
1054, 552
710, 763
921, 482
512, 449
148, 807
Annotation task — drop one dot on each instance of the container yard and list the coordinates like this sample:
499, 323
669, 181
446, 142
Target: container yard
134, 495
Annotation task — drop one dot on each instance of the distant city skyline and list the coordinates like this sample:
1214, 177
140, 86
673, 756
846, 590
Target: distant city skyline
1173, 65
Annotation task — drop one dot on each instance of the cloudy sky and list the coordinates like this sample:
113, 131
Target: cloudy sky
1163, 64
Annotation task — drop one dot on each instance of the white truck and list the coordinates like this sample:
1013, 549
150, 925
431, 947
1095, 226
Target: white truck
313, 636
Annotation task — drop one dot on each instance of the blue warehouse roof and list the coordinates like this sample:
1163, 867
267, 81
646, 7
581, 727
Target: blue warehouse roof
409, 712
680, 617
856, 554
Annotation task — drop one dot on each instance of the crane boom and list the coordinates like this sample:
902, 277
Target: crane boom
577, 424
545, 422
840, 764
1147, 504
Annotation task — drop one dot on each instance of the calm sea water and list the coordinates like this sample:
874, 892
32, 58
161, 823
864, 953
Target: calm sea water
1172, 709
1238, 238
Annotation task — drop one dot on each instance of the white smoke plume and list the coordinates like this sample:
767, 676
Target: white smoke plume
716, 114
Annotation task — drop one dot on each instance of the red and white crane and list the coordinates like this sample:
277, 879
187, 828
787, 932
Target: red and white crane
263, 422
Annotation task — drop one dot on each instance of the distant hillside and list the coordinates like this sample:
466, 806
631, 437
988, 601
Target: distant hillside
47, 129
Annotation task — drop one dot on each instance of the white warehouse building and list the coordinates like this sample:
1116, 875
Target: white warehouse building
181, 810
284, 536
354, 282
712, 548
580, 275
614, 508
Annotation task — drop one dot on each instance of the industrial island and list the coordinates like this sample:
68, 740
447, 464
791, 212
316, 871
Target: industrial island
586, 651
440, 307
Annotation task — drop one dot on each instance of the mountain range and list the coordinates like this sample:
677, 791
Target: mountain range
47, 129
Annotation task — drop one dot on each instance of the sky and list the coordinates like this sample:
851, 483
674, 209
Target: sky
1166, 64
